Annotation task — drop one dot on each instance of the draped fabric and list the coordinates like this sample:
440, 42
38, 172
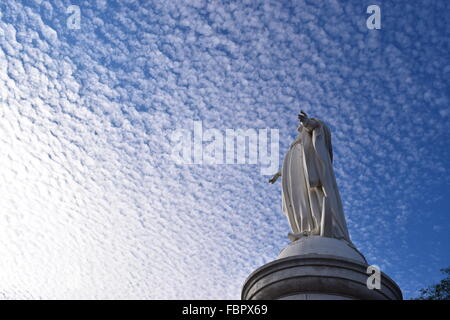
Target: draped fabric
311, 199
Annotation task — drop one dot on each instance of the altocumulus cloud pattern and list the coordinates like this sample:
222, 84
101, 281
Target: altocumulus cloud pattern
91, 203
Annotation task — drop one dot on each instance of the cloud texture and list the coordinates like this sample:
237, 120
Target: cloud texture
91, 204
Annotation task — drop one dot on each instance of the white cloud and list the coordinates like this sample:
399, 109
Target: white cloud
93, 206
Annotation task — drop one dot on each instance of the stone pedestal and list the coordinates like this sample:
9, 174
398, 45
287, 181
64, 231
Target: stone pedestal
317, 268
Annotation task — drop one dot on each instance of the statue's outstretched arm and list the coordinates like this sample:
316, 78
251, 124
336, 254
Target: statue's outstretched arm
275, 177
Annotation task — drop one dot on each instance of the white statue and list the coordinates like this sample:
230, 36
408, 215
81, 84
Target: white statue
311, 199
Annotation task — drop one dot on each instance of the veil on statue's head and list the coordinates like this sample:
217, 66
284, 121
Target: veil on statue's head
327, 133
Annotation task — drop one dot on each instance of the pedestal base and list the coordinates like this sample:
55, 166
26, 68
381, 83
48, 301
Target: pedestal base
317, 268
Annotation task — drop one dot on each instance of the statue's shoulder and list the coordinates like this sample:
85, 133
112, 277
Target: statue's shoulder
321, 123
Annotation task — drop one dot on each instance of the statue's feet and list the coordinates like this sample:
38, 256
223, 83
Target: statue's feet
295, 236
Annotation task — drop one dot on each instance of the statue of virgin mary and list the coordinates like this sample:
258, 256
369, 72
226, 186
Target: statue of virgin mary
310, 196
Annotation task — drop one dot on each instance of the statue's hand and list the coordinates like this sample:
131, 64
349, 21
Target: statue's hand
275, 178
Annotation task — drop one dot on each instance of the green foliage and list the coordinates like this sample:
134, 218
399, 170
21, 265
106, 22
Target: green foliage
440, 291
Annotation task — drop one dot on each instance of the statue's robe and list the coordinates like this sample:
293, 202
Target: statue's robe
311, 199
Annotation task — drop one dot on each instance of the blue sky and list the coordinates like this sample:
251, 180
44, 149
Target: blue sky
91, 203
